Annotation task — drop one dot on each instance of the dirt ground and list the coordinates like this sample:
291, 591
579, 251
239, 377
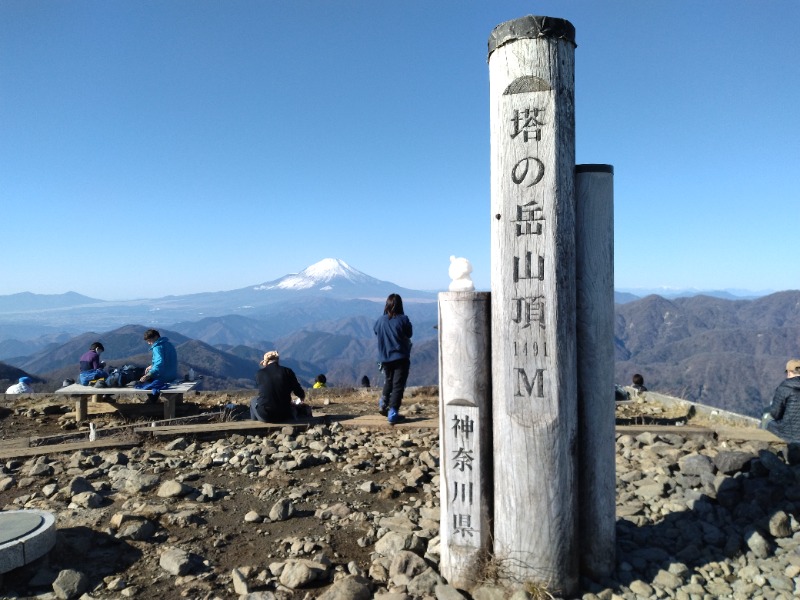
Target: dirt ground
217, 532
42, 415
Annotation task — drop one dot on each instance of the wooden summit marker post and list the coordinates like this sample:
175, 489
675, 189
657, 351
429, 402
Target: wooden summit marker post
594, 214
534, 385
465, 432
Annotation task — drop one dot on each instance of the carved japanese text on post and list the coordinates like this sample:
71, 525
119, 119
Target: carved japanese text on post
463, 474
526, 110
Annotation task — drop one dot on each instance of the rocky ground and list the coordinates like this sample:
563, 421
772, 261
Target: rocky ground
339, 512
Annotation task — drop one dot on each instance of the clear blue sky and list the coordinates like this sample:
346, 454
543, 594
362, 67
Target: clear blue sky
150, 148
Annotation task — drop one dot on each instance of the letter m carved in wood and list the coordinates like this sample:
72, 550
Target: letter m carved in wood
524, 382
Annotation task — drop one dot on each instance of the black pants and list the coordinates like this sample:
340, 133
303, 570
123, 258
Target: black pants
396, 373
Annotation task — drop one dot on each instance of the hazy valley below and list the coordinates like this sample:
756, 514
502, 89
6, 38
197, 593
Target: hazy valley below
715, 350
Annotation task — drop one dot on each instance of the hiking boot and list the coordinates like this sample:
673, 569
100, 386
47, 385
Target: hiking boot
395, 417
382, 408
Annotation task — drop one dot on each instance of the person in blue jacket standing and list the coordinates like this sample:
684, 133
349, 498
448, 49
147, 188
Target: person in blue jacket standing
394, 353
165, 358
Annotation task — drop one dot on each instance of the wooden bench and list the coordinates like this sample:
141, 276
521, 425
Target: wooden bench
170, 396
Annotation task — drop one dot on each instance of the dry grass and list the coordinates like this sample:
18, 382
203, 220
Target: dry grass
496, 571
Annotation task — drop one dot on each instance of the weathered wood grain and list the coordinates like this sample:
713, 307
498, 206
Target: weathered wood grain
465, 434
71, 447
534, 383
594, 243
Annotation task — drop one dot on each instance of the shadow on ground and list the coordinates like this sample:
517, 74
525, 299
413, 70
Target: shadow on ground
93, 553
748, 512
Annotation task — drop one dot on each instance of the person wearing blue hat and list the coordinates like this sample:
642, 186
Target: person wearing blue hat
21, 387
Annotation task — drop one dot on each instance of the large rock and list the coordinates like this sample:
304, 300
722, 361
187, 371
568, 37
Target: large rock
78, 485
132, 482
348, 588
173, 489
407, 563
87, 500
731, 461
393, 542
301, 573
70, 584
696, 464
281, 510
175, 561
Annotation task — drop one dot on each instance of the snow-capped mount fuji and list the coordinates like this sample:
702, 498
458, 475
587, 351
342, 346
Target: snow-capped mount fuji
327, 289
334, 277
324, 275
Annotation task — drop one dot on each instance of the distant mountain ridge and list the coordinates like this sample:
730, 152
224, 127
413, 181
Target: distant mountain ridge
329, 283
321, 320
722, 352
28, 302
673, 293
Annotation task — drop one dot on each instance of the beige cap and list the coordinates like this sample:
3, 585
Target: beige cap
270, 357
793, 366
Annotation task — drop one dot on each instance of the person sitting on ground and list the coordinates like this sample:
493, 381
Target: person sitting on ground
638, 383
23, 386
275, 386
320, 382
783, 416
164, 367
92, 368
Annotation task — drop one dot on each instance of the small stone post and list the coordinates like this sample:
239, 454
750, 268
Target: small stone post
534, 383
594, 241
464, 435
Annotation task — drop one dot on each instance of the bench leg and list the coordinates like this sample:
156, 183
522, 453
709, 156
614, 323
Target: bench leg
81, 409
169, 404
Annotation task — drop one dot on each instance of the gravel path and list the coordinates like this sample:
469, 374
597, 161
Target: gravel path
338, 512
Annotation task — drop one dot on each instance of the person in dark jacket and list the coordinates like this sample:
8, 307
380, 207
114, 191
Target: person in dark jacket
275, 387
638, 383
394, 353
91, 367
785, 408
